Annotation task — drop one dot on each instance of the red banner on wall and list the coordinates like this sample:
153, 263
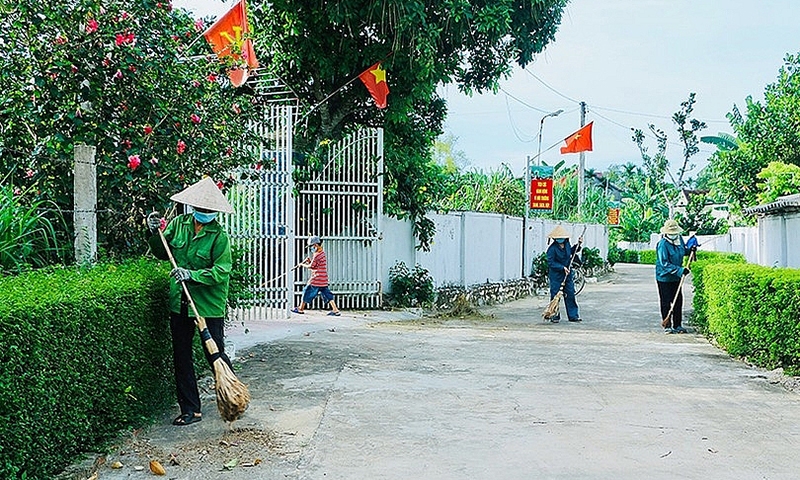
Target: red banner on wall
542, 194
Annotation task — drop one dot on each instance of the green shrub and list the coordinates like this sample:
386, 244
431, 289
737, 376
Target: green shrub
614, 255
704, 259
752, 312
539, 270
410, 288
647, 257
628, 256
591, 258
85, 353
28, 237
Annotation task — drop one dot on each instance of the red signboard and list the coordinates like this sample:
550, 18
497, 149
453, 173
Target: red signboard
541, 194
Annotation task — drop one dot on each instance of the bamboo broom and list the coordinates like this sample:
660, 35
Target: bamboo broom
233, 397
555, 303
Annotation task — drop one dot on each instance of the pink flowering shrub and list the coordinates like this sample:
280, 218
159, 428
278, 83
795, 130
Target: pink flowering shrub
115, 77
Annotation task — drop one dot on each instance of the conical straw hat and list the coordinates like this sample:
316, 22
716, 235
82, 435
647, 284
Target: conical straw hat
558, 232
671, 227
204, 194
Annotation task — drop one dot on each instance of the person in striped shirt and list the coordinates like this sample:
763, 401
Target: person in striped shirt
318, 282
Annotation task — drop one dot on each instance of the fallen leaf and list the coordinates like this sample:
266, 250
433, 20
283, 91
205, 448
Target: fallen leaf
156, 468
258, 461
138, 468
116, 465
712, 450
231, 464
173, 459
224, 443
93, 477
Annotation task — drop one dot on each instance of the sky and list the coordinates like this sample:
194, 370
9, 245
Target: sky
633, 62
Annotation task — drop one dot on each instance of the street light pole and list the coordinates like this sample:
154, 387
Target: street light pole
525, 261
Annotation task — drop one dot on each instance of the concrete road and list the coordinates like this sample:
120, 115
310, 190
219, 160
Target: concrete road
503, 397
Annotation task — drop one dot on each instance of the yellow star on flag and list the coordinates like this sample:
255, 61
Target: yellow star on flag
380, 75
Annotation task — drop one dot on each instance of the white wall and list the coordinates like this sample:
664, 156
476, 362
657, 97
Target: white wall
471, 248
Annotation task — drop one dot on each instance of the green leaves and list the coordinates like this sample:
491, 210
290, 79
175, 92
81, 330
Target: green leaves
82, 73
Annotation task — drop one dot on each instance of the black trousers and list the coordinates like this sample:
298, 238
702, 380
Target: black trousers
183, 331
666, 294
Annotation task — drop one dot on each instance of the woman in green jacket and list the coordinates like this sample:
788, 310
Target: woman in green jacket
202, 251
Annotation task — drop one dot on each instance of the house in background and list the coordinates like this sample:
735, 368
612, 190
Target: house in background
719, 211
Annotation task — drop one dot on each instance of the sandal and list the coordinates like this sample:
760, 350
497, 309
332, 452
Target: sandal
295, 310
187, 419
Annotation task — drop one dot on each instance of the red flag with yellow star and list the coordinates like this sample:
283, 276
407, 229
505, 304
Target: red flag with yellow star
580, 141
374, 79
228, 37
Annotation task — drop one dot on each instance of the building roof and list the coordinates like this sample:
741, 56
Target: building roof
788, 203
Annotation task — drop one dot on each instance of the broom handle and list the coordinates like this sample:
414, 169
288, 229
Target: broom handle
680, 286
199, 321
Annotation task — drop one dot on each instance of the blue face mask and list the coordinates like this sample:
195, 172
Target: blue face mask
204, 217
560, 240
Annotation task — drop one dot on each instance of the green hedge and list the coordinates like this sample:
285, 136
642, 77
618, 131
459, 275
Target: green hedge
752, 311
85, 353
647, 257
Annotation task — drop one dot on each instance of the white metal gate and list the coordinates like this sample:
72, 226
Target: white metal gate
261, 226
343, 205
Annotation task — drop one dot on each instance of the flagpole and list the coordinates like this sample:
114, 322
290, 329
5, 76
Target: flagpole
581, 163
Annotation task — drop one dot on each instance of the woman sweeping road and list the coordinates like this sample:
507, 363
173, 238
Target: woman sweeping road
559, 258
669, 270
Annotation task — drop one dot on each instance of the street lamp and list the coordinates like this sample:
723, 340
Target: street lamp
528, 190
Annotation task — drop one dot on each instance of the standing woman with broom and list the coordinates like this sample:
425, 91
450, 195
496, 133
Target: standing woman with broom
202, 253
559, 258
669, 272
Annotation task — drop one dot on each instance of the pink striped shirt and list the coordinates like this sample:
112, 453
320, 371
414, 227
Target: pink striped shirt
319, 270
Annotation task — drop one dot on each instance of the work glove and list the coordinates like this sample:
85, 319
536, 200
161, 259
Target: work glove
693, 249
154, 222
180, 274
686, 271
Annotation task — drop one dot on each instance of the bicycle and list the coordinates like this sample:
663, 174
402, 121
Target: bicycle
578, 278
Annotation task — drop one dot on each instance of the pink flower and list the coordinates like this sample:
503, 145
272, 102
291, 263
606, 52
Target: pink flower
229, 151
181, 146
124, 15
163, 223
236, 109
199, 25
148, 129
124, 39
29, 173
175, 37
195, 83
195, 118
134, 161
118, 75
211, 77
127, 144
106, 62
259, 166
74, 69
132, 68
61, 40
17, 191
220, 185
154, 161
92, 26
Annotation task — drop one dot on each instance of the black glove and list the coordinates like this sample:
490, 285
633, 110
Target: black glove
686, 271
693, 249
154, 222
180, 274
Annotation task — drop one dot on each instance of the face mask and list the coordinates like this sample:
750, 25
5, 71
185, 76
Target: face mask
672, 236
204, 217
561, 240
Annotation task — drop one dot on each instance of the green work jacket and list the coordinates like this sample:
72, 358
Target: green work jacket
206, 255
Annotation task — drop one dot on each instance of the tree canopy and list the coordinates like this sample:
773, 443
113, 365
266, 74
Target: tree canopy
767, 131
318, 47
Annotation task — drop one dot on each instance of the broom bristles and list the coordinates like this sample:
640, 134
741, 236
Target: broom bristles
552, 307
233, 397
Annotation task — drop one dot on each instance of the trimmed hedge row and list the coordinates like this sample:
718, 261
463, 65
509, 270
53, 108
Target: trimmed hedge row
85, 353
752, 312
